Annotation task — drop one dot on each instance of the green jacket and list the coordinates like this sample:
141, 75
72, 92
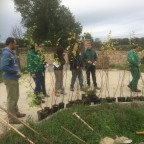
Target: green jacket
133, 59
89, 55
34, 62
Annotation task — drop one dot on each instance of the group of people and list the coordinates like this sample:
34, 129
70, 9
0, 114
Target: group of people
77, 60
37, 65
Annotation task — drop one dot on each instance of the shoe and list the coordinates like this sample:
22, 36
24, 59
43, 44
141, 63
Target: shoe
71, 89
96, 87
14, 122
20, 115
129, 86
46, 95
136, 90
42, 101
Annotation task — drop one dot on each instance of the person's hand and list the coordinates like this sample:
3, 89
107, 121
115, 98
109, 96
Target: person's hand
89, 62
33, 76
95, 62
77, 67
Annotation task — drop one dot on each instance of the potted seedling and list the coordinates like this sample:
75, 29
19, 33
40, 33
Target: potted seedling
36, 100
121, 99
110, 99
129, 99
61, 105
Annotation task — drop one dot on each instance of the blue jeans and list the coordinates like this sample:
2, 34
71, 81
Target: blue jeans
76, 73
38, 82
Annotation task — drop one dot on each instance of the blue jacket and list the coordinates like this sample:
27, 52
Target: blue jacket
9, 65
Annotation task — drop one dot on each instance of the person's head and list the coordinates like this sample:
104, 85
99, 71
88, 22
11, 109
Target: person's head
86, 42
89, 45
59, 51
10, 43
135, 48
37, 46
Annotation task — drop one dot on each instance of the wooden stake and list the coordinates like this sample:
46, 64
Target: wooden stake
45, 140
73, 135
18, 132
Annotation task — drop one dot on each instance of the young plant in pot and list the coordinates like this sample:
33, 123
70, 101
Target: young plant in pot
121, 99
129, 99
36, 100
55, 108
61, 105
92, 95
110, 99
69, 104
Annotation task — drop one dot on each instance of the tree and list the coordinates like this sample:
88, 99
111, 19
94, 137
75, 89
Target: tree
52, 20
88, 36
97, 43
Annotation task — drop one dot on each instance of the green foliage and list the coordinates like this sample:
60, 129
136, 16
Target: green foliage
107, 120
53, 21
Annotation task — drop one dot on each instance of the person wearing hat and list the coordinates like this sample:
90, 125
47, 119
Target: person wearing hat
134, 64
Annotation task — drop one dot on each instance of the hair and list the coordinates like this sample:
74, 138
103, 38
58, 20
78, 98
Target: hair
9, 40
59, 51
135, 46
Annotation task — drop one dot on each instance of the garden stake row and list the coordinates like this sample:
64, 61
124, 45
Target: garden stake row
73, 135
44, 139
17, 131
76, 115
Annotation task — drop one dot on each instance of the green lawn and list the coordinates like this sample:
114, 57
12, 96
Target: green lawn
107, 120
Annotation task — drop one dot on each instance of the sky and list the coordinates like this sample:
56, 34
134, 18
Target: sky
98, 17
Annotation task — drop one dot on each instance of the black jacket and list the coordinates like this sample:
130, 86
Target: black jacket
75, 61
61, 61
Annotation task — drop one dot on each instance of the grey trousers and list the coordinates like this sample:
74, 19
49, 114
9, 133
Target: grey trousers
12, 87
58, 80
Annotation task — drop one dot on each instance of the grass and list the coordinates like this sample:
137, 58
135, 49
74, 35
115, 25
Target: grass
107, 120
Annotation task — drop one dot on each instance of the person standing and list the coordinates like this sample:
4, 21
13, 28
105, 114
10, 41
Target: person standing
89, 58
35, 67
76, 67
59, 61
134, 64
11, 75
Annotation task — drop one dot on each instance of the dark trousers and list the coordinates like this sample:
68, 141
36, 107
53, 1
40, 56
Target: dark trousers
135, 77
92, 70
38, 82
76, 73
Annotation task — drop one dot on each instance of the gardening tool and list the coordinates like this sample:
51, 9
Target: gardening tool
73, 135
18, 132
139, 132
44, 139
75, 114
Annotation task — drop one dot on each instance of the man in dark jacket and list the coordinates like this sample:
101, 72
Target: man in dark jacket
10, 68
76, 67
90, 59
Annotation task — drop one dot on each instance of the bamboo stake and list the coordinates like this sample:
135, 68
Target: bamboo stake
73, 135
139, 132
18, 132
75, 114
24, 124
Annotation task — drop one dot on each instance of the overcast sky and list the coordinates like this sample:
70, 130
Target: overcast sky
96, 16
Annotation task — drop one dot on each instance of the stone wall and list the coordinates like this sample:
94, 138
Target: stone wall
104, 60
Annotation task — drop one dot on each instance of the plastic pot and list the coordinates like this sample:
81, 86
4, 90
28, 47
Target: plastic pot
69, 105
61, 105
41, 114
129, 99
55, 108
110, 99
78, 101
141, 98
87, 101
121, 99
97, 101
48, 110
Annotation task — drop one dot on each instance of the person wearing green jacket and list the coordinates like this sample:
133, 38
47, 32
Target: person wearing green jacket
35, 67
89, 58
134, 64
